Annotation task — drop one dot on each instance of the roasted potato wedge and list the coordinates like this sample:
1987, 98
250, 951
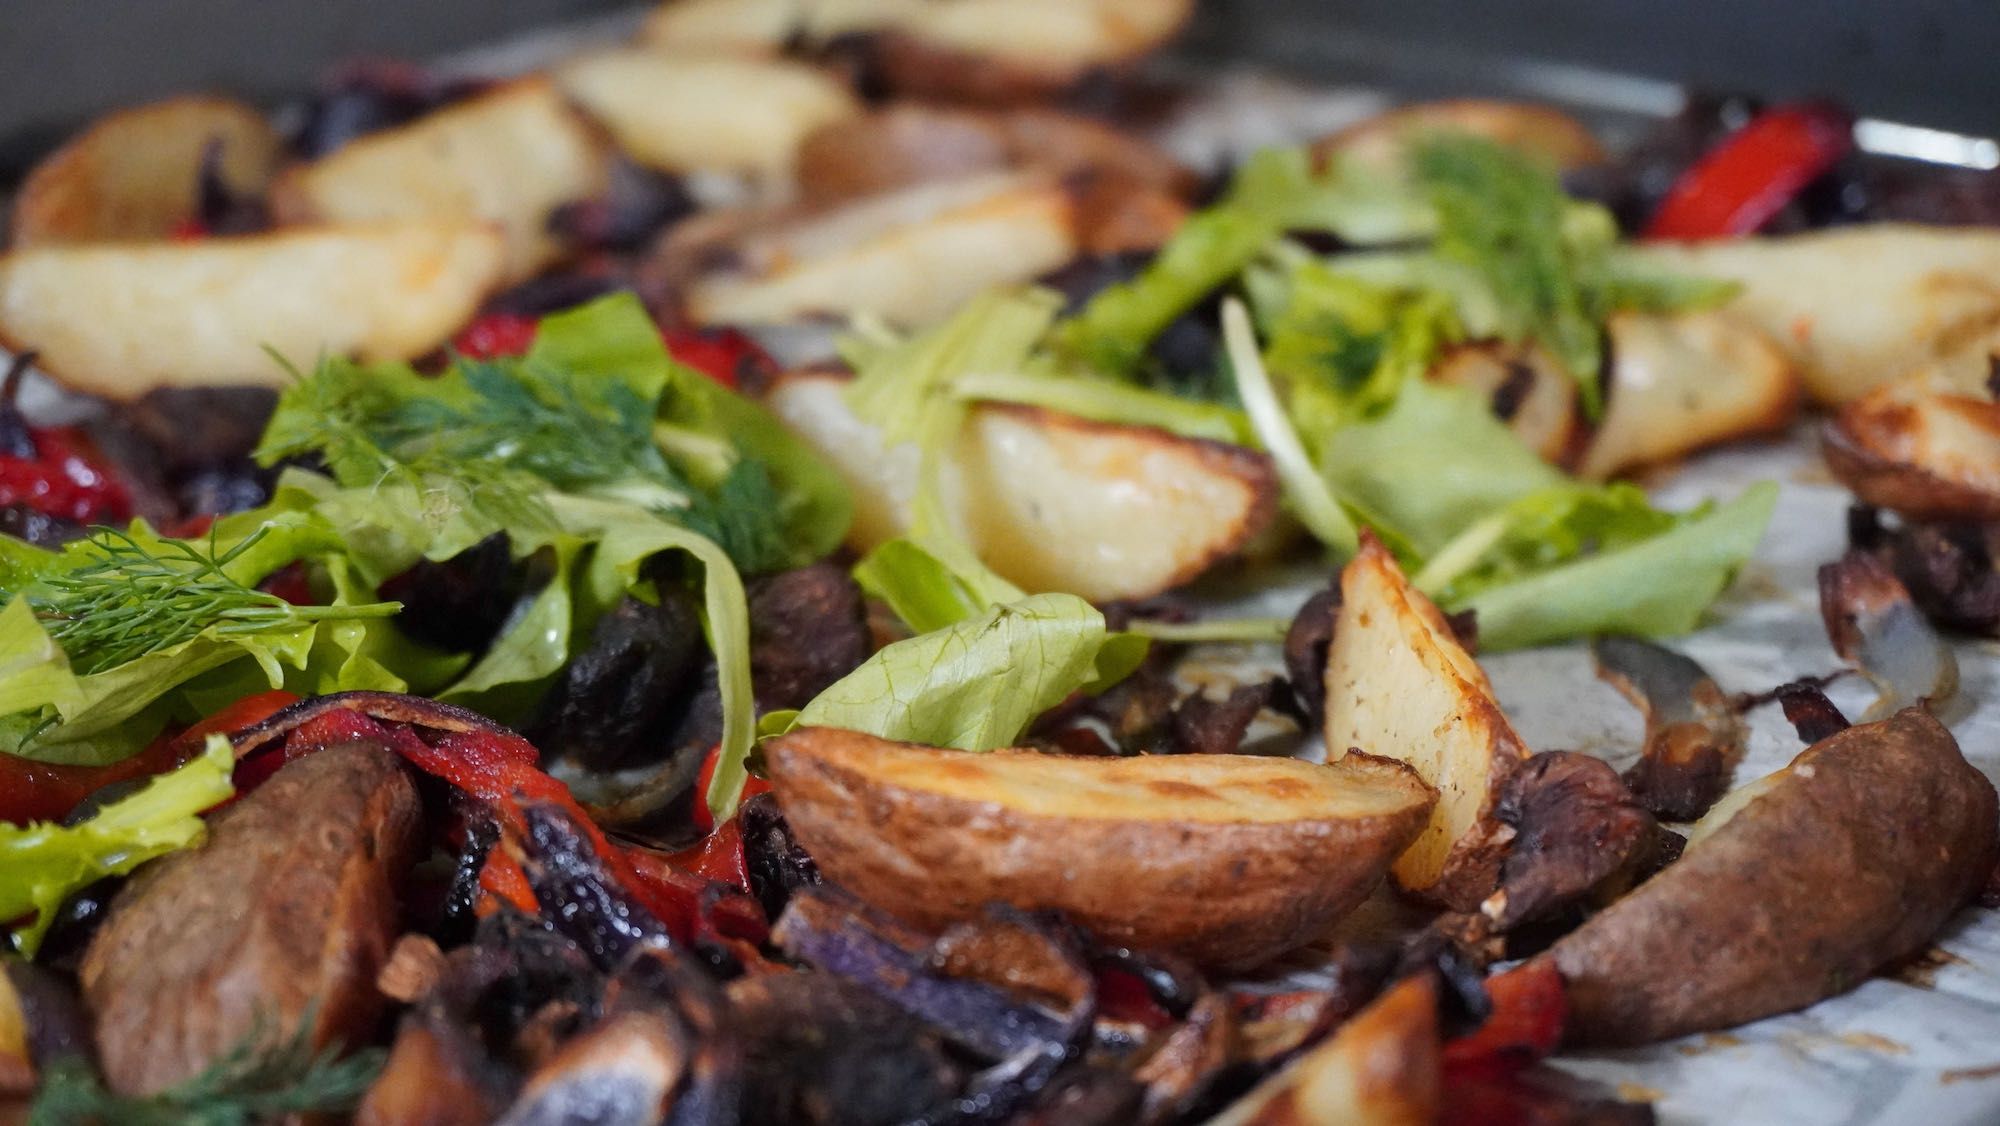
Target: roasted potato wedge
1529, 391
1011, 51
1399, 685
1050, 501
1857, 306
909, 257
1381, 1068
1542, 131
508, 157
763, 27
1685, 382
119, 320
1926, 446
1791, 890
133, 174
1226, 859
684, 114
908, 143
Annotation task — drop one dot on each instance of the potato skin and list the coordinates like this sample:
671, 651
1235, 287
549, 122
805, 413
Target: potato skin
1228, 895
1875, 446
290, 903
1852, 859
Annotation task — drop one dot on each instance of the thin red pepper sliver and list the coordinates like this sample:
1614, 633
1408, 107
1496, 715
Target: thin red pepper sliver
1526, 1024
1751, 175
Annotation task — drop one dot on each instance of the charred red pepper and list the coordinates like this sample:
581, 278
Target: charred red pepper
1752, 174
495, 335
752, 786
718, 857
64, 478
1529, 1008
722, 354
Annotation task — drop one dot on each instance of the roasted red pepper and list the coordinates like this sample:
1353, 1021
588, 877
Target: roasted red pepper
495, 335
752, 786
1744, 181
65, 479
40, 791
1529, 1008
722, 354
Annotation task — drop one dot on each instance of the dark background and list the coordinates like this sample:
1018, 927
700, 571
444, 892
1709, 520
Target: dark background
1933, 62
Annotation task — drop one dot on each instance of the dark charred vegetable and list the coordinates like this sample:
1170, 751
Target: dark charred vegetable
1949, 569
287, 910
1205, 726
636, 205
368, 95
772, 859
579, 896
622, 1072
623, 696
1575, 827
820, 1050
1187, 1065
461, 603
1872, 622
1694, 737
1305, 650
1809, 711
808, 628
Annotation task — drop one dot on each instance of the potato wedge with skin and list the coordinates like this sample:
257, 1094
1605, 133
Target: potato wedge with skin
1529, 391
134, 174
1542, 131
1003, 52
1050, 501
508, 157
680, 114
119, 320
1381, 1068
1399, 685
910, 257
763, 28
1856, 306
1926, 446
1226, 859
1685, 382
1850, 858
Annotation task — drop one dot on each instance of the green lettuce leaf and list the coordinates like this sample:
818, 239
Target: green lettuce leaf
43, 864
1570, 564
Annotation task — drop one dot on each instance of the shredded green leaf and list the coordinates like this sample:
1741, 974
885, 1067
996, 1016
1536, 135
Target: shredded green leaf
43, 864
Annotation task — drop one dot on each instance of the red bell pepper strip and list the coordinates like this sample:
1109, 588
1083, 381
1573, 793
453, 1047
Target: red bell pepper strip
1526, 1024
752, 786
40, 791
66, 479
1745, 180
721, 354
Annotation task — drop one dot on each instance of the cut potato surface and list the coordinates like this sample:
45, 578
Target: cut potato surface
1381, 1068
910, 257
1228, 859
1542, 131
997, 51
1527, 388
1050, 501
1857, 306
763, 27
1681, 383
134, 174
682, 114
1926, 446
119, 320
1399, 685
508, 157
1793, 889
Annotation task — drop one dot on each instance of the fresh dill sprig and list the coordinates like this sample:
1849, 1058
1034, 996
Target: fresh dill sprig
132, 600
257, 1080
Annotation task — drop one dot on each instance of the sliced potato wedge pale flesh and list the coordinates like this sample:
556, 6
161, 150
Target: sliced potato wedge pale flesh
1008, 51
1857, 306
1793, 889
119, 320
685, 114
1528, 389
134, 174
1542, 131
1226, 859
508, 157
1685, 382
909, 257
1926, 446
1051, 502
1399, 685
1381, 1068
763, 27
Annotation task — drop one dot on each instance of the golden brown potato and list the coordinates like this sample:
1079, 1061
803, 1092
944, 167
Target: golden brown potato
1050, 501
1927, 446
685, 114
763, 28
508, 157
1543, 131
1529, 391
1685, 382
288, 907
1857, 306
909, 257
1381, 1068
908, 143
1399, 685
119, 320
133, 174
999, 52
1226, 859
1796, 890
